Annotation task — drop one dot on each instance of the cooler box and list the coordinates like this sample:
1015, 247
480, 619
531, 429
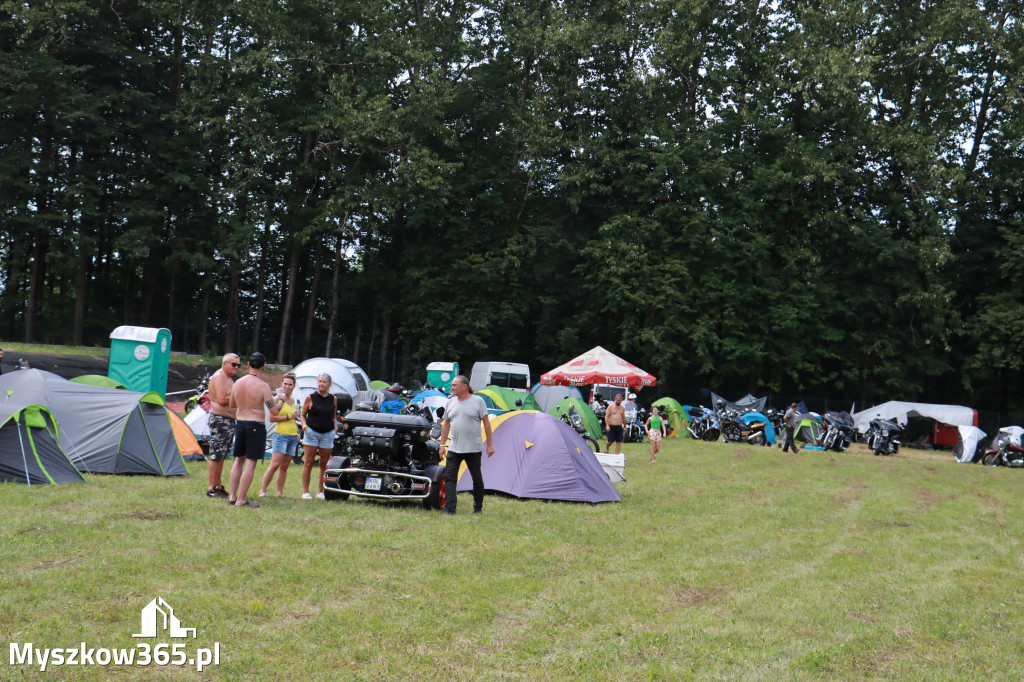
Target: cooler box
140, 358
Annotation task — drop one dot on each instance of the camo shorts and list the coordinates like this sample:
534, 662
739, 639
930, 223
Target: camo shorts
222, 433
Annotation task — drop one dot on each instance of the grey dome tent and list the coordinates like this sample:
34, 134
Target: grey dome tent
29, 451
102, 430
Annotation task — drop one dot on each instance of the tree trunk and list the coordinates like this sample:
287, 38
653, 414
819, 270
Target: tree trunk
231, 333
78, 318
387, 369
204, 321
358, 341
334, 298
286, 314
35, 288
261, 277
311, 304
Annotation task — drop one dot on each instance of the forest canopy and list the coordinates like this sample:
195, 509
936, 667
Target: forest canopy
778, 196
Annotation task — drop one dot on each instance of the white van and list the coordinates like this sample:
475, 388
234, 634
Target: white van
513, 375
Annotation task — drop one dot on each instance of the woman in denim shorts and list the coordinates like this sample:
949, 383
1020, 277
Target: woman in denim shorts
320, 421
286, 436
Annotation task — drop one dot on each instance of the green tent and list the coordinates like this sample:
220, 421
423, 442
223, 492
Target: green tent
676, 416
29, 451
808, 429
99, 380
505, 398
377, 384
590, 420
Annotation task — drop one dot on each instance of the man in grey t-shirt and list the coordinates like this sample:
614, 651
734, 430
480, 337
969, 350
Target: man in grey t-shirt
462, 417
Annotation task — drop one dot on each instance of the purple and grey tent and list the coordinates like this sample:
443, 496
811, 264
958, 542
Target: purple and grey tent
539, 456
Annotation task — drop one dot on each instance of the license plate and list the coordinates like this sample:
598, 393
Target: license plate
372, 484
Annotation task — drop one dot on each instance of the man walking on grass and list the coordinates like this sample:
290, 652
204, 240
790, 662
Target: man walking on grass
463, 416
790, 420
614, 424
248, 397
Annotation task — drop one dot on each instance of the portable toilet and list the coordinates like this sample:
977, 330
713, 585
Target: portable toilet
140, 358
441, 374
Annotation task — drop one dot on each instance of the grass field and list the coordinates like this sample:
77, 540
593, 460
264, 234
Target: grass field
721, 561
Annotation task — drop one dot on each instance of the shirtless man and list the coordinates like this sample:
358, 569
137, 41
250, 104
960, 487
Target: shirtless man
248, 397
222, 421
614, 422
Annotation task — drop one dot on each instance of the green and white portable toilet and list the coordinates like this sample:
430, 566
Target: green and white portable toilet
140, 358
441, 374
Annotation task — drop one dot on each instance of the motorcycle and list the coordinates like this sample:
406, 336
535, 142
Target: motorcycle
202, 396
735, 430
778, 422
704, 424
838, 431
574, 420
634, 428
1004, 452
883, 437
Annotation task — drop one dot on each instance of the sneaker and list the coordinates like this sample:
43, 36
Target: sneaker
307, 496
217, 491
320, 496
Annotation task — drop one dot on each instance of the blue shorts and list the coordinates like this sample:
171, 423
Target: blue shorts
287, 445
320, 440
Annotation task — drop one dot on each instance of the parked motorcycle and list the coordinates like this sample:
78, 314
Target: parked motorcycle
704, 424
883, 438
202, 397
735, 430
1004, 452
573, 419
778, 422
633, 432
838, 432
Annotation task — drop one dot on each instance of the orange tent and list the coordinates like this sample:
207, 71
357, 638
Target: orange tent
187, 443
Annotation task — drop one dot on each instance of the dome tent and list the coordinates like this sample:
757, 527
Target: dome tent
102, 430
29, 451
538, 456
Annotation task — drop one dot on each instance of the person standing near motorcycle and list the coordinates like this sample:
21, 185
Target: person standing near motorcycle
222, 421
614, 424
655, 431
286, 436
463, 416
790, 421
320, 421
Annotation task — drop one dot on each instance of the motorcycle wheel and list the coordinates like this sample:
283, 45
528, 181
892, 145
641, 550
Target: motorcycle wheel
991, 459
190, 404
338, 463
592, 444
732, 432
438, 494
711, 435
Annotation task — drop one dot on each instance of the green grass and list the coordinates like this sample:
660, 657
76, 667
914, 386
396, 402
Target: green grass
721, 561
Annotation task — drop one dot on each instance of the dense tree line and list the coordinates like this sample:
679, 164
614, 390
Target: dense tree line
786, 196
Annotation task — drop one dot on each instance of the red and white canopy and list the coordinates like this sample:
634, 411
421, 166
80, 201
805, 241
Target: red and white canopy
598, 366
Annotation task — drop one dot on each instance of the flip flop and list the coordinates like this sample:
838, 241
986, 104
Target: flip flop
248, 503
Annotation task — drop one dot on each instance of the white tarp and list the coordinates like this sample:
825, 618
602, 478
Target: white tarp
894, 410
967, 443
1011, 433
